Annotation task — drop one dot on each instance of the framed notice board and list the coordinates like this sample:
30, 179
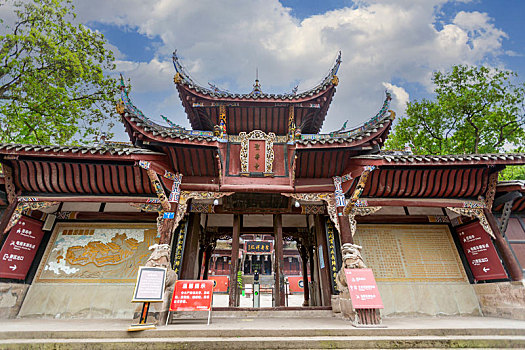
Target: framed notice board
150, 284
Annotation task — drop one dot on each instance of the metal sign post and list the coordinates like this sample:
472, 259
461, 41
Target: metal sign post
256, 294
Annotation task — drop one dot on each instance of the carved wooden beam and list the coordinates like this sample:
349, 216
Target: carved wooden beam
358, 189
24, 204
475, 212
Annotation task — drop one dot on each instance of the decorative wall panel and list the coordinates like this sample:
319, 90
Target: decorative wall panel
96, 253
410, 253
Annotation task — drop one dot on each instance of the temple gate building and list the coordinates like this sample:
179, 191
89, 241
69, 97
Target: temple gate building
254, 186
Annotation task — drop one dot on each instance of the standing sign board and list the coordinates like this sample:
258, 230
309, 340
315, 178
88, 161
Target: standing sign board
482, 257
20, 248
150, 284
363, 289
192, 295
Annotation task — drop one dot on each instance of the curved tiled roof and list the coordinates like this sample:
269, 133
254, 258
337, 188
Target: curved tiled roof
507, 158
135, 115
185, 79
369, 128
102, 149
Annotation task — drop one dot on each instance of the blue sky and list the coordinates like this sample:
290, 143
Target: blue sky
394, 44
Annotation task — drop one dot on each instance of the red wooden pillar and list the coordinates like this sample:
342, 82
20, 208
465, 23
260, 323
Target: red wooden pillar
190, 261
234, 266
506, 254
324, 267
167, 226
304, 259
207, 259
344, 226
314, 276
279, 293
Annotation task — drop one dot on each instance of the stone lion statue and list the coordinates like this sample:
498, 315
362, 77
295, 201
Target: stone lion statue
160, 257
352, 259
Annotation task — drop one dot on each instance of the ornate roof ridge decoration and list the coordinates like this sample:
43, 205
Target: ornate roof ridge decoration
135, 115
371, 126
416, 158
183, 78
111, 148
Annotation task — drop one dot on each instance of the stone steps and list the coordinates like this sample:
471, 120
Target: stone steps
272, 342
268, 333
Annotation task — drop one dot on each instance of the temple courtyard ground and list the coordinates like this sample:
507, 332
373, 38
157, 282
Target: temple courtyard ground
245, 331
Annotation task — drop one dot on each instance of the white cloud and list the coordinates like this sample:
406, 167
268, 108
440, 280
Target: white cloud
224, 41
400, 96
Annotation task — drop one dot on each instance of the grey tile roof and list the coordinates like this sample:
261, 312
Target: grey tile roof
254, 95
367, 129
101, 149
519, 158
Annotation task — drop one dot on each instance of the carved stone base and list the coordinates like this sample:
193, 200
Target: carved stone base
342, 306
158, 312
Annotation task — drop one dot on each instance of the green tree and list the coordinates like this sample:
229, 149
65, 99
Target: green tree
54, 86
476, 110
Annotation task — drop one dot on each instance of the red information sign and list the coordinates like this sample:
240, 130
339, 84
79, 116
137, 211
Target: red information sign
363, 289
20, 248
220, 283
190, 295
481, 255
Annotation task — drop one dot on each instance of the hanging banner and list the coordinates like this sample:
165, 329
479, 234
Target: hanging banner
192, 295
363, 289
20, 248
481, 255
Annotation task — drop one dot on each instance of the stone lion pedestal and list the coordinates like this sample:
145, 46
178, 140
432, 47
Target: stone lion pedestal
342, 303
158, 312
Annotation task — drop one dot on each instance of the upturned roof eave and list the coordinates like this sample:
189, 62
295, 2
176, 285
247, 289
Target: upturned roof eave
99, 152
442, 160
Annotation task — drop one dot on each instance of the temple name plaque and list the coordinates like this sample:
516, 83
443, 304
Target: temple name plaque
363, 289
150, 284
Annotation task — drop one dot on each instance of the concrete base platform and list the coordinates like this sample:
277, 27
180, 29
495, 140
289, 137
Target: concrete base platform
268, 333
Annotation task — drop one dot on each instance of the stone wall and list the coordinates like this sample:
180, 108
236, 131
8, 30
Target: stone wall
102, 300
504, 299
11, 298
422, 299
428, 298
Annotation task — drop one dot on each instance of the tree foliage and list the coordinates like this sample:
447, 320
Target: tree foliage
476, 110
53, 82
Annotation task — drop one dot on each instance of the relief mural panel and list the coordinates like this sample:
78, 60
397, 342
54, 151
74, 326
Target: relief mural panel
410, 253
96, 253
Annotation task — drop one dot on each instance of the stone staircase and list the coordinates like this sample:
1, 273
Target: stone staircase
267, 333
